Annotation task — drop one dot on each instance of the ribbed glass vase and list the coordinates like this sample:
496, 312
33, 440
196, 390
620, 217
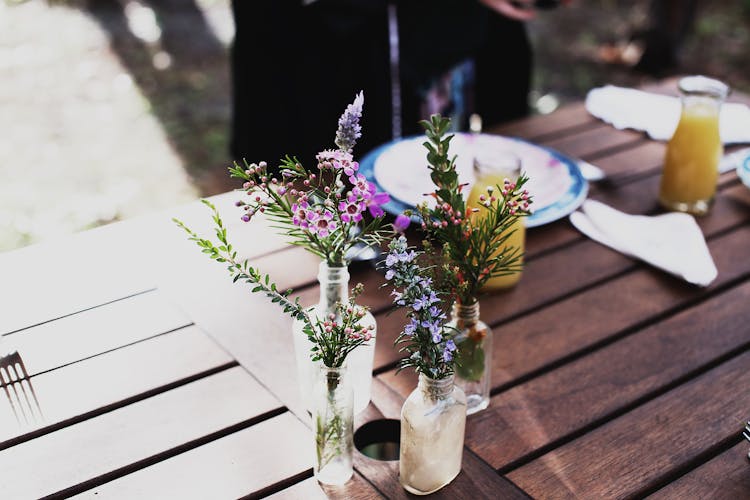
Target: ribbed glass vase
334, 288
474, 360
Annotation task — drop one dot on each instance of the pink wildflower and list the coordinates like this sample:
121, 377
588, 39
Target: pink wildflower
351, 209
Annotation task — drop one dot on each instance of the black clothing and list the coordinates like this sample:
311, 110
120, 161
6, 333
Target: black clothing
295, 68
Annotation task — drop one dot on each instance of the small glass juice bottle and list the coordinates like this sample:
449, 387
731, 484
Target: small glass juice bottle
492, 170
691, 165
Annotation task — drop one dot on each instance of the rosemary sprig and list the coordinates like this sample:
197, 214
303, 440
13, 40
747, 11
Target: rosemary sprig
473, 239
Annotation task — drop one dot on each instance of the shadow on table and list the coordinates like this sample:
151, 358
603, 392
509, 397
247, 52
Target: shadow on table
181, 67
18, 389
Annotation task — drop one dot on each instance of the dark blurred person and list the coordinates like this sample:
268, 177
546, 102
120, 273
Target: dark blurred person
670, 23
297, 63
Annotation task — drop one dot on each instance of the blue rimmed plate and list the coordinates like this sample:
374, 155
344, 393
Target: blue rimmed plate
743, 169
400, 169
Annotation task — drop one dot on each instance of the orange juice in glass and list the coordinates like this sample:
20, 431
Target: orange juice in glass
691, 165
491, 169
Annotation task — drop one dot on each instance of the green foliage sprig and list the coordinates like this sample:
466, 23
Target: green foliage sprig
333, 338
473, 239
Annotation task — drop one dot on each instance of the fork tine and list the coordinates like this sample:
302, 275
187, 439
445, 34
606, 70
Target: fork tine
10, 401
28, 391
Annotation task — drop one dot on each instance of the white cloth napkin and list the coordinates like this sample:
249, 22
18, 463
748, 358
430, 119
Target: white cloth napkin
658, 115
672, 242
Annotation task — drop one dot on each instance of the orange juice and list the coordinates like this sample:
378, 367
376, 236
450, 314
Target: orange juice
691, 166
517, 239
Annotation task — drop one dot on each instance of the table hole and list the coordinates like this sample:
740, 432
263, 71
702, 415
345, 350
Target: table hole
379, 439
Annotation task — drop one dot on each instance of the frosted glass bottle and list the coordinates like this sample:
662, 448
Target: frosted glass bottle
433, 420
334, 287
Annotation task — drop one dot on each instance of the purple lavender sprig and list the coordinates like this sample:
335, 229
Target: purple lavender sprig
349, 128
427, 339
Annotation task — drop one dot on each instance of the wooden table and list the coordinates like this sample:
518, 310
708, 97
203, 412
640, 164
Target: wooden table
151, 376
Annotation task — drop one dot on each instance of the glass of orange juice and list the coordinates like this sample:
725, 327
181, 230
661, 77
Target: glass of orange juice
491, 168
691, 165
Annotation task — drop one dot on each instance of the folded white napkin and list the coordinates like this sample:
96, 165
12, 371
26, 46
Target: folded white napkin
658, 115
672, 242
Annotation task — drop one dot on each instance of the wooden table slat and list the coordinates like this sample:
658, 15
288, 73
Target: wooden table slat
587, 390
230, 467
566, 120
596, 142
725, 477
99, 382
152, 426
643, 448
91, 332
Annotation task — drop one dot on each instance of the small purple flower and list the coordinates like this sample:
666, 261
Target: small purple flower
421, 302
375, 200
450, 348
321, 224
391, 260
401, 223
325, 159
436, 313
389, 274
350, 167
411, 327
433, 327
351, 209
302, 214
408, 257
360, 186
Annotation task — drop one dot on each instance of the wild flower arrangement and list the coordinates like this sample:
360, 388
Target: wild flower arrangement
426, 338
321, 210
333, 338
474, 247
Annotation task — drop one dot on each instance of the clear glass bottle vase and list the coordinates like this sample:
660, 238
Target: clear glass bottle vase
433, 420
334, 287
333, 424
474, 360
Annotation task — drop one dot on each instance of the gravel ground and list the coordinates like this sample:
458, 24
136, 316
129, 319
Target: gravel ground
113, 108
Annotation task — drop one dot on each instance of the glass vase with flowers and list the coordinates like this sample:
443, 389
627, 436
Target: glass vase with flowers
433, 417
476, 247
333, 339
331, 211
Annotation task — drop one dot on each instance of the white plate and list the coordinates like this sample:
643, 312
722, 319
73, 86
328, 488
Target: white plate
400, 169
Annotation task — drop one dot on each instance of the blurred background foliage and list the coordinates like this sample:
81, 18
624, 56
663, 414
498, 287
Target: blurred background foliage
114, 108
